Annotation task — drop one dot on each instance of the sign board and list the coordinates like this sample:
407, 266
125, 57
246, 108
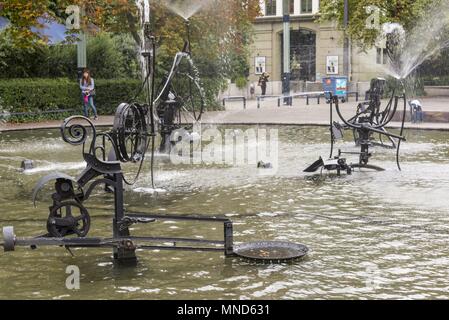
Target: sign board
260, 65
332, 64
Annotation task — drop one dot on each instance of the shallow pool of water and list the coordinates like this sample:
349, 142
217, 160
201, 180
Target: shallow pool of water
370, 235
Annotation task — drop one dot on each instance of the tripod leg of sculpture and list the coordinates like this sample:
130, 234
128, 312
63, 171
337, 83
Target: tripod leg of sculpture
121, 253
402, 131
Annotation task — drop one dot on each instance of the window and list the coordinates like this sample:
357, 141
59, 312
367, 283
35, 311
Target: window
292, 6
270, 7
385, 56
379, 56
306, 6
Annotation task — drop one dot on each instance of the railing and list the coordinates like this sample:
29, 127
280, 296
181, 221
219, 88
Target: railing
289, 99
230, 98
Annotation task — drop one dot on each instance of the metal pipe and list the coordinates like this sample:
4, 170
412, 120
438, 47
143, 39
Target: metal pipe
176, 217
346, 39
286, 50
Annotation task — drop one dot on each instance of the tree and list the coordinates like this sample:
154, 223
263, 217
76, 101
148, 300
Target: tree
220, 32
366, 16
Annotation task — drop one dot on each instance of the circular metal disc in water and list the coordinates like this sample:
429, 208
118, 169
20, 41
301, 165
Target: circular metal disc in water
271, 251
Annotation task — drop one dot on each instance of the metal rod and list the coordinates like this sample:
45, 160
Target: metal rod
177, 217
106, 242
143, 239
179, 248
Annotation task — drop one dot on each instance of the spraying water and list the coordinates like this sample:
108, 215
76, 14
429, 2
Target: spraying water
186, 9
408, 50
144, 18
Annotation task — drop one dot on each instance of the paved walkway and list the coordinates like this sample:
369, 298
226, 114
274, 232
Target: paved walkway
270, 114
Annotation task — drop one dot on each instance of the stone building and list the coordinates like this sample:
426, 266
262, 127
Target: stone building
316, 49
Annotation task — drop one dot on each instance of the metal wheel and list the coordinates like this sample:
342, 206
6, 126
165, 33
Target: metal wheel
183, 87
68, 218
131, 132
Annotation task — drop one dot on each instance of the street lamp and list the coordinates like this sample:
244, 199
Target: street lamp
346, 39
286, 50
81, 54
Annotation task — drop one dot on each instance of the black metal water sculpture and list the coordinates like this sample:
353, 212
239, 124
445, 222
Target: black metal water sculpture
68, 215
134, 127
69, 221
370, 120
180, 99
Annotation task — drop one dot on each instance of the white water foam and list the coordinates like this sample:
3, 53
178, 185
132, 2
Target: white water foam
424, 40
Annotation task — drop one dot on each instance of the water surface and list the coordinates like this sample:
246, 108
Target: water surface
371, 235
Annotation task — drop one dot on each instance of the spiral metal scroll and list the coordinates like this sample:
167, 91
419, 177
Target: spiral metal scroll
76, 133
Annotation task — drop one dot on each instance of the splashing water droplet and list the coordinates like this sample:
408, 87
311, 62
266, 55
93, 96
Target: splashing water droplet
186, 9
408, 50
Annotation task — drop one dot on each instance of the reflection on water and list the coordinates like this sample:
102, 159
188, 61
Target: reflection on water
371, 235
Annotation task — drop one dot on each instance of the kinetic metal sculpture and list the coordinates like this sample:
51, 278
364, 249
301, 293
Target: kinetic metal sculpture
368, 121
134, 127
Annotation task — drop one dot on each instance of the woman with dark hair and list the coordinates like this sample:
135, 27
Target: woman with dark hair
263, 82
87, 87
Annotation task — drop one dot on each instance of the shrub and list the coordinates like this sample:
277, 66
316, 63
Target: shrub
436, 81
35, 95
241, 82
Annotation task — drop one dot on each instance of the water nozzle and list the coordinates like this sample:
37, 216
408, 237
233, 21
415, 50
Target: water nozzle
186, 48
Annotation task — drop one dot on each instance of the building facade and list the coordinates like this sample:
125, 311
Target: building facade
316, 48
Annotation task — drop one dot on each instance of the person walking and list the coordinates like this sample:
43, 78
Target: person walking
263, 82
87, 86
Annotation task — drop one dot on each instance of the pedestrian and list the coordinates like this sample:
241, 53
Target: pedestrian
263, 82
252, 90
87, 86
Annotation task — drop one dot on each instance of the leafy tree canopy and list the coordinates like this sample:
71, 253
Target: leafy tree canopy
367, 16
222, 31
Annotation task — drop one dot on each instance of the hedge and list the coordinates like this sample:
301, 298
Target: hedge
436, 81
36, 95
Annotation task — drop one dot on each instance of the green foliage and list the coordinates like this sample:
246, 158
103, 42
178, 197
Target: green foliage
241, 82
436, 69
103, 59
35, 95
413, 85
436, 81
108, 56
405, 12
220, 38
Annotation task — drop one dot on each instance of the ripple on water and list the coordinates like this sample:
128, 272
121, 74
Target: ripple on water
371, 235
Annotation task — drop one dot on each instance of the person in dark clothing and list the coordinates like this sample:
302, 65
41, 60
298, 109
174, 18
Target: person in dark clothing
263, 82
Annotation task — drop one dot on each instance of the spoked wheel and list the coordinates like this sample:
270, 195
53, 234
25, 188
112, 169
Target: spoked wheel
131, 132
68, 218
190, 95
183, 89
